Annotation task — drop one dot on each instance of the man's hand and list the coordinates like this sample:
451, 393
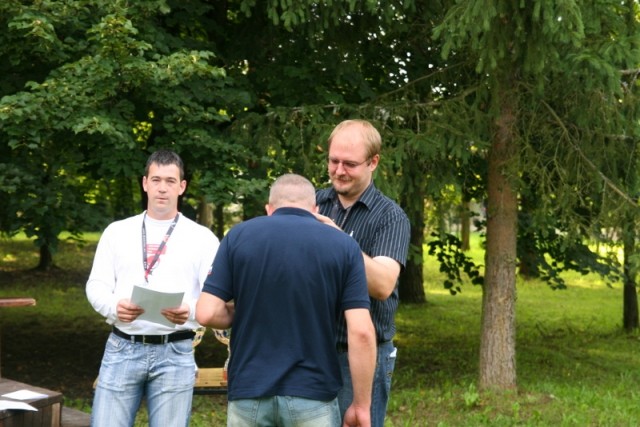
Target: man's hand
357, 417
127, 311
177, 315
326, 220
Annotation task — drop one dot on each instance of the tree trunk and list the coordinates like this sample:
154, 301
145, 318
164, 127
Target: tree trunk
411, 288
465, 226
46, 258
629, 293
497, 341
529, 267
218, 223
205, 213
122, 198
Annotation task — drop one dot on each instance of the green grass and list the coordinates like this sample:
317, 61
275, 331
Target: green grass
576, 367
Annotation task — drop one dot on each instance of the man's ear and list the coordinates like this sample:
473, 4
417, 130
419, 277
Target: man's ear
374, 162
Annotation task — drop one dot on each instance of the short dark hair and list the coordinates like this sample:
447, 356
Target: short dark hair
164, 158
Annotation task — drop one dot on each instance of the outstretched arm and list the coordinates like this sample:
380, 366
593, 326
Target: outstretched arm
382, 275
382, 271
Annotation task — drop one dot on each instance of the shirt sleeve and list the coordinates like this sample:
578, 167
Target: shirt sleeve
207, 254
392, 237
356, 294
102, 280
218, 283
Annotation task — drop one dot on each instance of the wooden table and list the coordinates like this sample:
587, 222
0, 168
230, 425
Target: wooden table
13, 302
49, 407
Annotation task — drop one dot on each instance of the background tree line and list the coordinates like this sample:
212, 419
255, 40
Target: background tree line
528, 108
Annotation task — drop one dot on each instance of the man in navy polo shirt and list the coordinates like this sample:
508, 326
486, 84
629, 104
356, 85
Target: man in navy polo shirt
290, 277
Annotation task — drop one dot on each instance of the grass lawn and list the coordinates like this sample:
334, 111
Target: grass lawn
576, 367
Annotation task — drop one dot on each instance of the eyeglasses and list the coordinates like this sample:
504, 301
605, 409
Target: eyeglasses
348, 165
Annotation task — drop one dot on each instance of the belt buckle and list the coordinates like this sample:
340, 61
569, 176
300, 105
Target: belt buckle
153, 339
149, 339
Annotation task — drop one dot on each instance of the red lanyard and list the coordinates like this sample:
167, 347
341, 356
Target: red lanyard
149, 265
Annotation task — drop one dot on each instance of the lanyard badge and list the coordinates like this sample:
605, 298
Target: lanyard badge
149, 265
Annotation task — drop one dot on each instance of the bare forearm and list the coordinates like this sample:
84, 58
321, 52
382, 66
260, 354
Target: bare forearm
221, 320
211, 311
362, 369
362, 360
382, 275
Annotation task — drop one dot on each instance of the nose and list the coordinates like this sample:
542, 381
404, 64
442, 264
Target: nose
340, 169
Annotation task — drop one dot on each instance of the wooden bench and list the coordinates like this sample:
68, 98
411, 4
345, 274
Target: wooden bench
210, 381
75, 418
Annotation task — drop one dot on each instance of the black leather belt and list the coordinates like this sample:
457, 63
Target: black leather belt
155, 339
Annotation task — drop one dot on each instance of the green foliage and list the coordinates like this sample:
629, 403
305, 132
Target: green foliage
471, 396
247, 90
528, 34
447, 250
103, 68
567, 60
553, 252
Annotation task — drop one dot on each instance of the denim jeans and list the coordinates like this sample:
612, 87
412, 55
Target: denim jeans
385, 364
283, 411
163, 374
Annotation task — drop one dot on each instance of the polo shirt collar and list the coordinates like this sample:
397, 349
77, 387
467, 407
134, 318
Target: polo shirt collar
292, 211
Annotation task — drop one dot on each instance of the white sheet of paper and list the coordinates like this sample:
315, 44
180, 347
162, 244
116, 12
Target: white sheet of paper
24, 394
12, 404
153, 301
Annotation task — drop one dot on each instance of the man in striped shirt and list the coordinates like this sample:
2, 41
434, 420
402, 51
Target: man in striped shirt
382, 230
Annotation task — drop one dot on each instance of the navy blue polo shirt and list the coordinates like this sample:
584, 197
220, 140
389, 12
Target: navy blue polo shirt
291, 277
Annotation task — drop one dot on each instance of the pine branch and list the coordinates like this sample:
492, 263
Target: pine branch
589, 163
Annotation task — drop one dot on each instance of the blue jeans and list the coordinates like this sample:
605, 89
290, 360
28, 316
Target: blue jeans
283, 411
164, 374
385, 364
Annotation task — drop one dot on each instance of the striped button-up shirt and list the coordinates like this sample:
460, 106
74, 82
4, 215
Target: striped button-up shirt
381, 228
